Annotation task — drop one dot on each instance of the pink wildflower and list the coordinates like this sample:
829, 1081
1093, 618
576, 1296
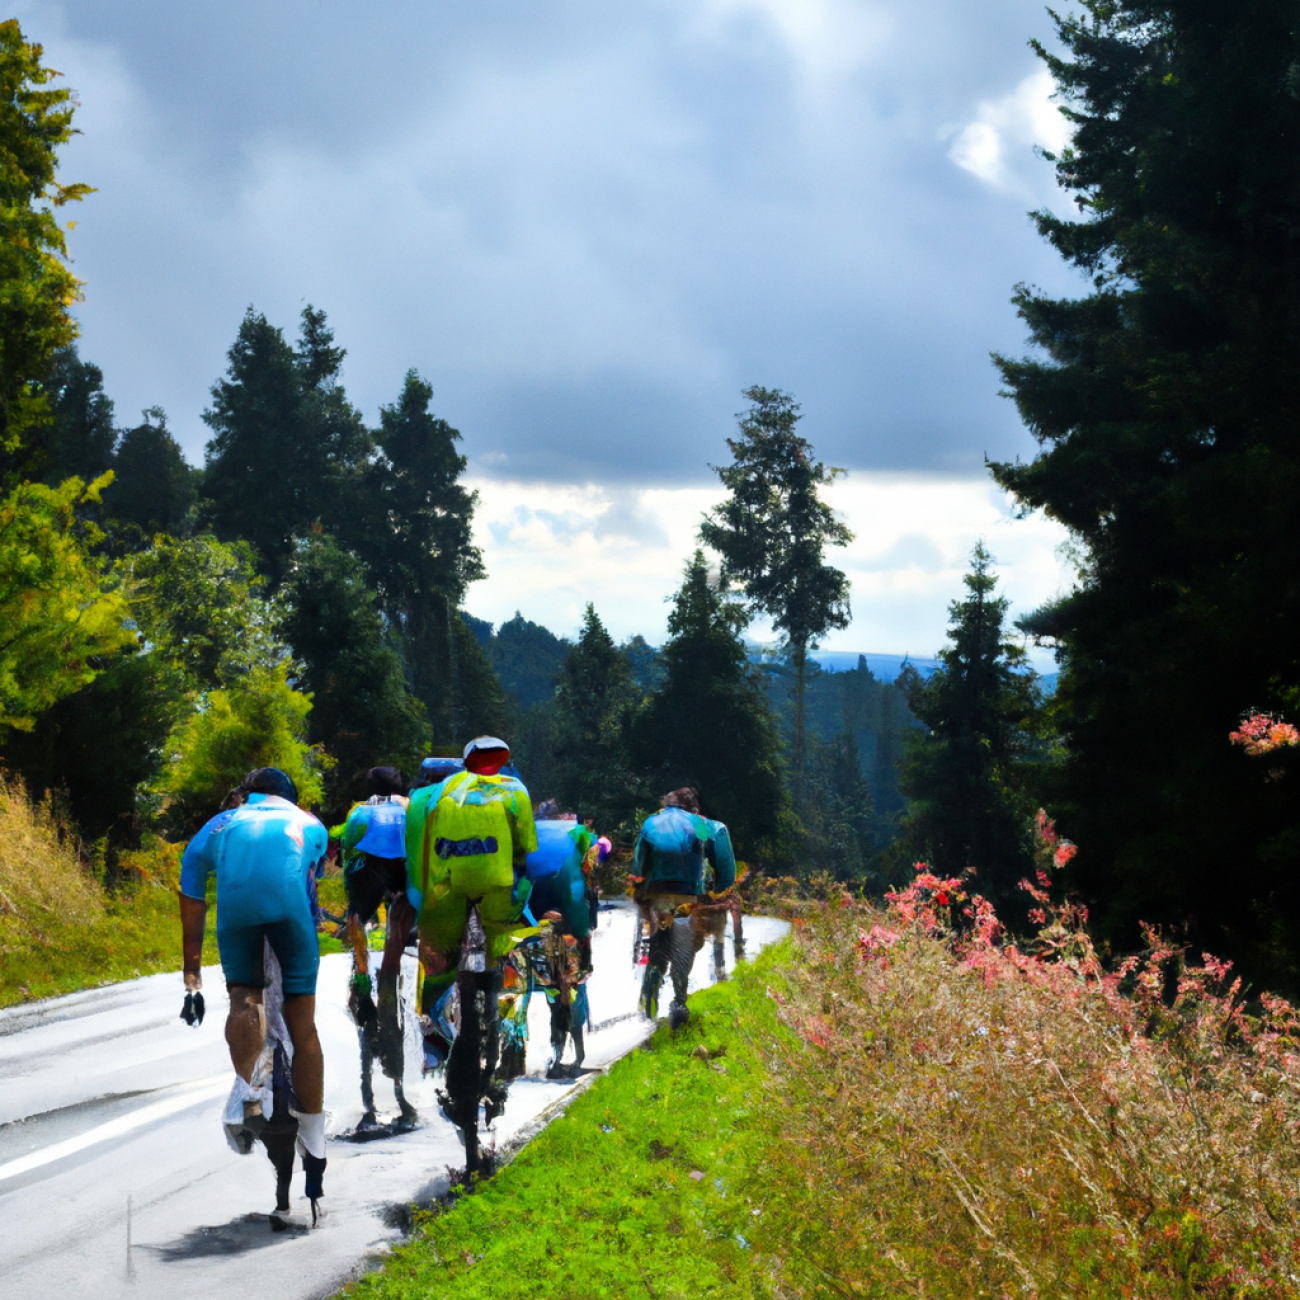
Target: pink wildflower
1263, 733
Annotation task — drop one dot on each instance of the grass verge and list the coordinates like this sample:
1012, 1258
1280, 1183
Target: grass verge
644, 1187
61, 931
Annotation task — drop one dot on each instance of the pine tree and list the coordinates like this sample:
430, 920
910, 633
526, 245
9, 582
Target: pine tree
968, 775
154, 489
595, 706
411, 523
362, 711
1165, 402
709, 724
287, 450
772, 533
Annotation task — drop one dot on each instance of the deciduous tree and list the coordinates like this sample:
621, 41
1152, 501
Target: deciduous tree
37, 289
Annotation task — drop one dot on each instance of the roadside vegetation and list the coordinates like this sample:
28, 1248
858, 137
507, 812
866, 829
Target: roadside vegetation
901, 1101
645, 1186
62, 930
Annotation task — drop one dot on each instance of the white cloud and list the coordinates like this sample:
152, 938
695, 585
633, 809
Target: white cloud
998, 145
548, 553
589, 225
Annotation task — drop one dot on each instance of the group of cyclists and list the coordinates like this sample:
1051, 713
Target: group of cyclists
501, 900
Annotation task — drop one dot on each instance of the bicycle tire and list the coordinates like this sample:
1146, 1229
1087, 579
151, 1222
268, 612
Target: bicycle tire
464, 1086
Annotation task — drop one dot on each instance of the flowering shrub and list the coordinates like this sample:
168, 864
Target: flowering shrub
1263, 733
961, 1114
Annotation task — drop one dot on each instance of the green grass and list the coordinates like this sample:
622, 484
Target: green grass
645, 1187
68, 934
136, 932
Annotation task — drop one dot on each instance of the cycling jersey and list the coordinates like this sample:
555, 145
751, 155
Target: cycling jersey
465, 833
555, 869
376, 827
680, 852
266, 856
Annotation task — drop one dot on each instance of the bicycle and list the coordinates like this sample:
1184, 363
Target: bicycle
472, 1076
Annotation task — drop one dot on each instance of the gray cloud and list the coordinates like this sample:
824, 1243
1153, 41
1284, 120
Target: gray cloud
589, 225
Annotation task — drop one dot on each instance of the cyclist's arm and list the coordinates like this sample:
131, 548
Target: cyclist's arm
722, 857
523, 828
196, 867
416, 812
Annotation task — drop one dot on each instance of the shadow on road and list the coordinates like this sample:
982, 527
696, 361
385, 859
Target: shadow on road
248, 1232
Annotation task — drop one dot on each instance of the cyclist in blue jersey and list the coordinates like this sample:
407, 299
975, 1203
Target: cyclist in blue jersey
373, 854
266, 856
679, 860
559, 959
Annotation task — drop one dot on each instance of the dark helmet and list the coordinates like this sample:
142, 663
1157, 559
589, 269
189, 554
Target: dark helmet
270, 780
386, 780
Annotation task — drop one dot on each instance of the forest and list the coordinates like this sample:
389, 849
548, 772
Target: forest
299, 599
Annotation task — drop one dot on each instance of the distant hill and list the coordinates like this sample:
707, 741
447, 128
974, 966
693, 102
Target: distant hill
883, 667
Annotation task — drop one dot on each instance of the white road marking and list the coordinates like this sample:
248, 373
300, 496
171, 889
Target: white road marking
187, 1095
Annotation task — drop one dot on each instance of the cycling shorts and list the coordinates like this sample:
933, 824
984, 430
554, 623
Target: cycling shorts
292, 939
375, 881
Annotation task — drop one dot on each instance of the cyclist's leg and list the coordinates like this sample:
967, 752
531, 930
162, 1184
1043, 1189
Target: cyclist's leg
442, 922
365, 889
683, 949
293, 940
658, 955
401, 920
240, 948
578, 1014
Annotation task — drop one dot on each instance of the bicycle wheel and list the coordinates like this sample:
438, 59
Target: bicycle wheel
464, 1067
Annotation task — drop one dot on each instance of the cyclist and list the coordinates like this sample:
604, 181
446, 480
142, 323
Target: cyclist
680, 858
466, 841
559, 959
373, 853
266, 855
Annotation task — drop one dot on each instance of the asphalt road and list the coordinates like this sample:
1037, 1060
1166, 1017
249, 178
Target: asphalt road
115, 1176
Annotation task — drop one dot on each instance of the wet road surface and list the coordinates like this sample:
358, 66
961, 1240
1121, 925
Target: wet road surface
115, 1176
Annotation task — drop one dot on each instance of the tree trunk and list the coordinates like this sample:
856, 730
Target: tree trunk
800, 656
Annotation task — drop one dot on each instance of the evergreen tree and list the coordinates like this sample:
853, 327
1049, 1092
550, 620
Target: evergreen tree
647, 663
595, 705
78, 441
772, 533
287, 449
35, 314
709, 724
479, 703
1165, 404
528, 659
839, 831
154, 489
968, 775
362, 711
412, 526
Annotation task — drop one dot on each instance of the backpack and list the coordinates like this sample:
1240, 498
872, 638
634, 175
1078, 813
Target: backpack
467, 838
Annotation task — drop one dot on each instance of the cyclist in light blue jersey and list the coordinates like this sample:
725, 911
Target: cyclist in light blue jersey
266, 856
679, 860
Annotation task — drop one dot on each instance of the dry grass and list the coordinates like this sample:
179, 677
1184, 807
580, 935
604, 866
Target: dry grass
965, 1118
59, 930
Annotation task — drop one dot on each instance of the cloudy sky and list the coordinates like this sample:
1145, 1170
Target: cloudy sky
590, 226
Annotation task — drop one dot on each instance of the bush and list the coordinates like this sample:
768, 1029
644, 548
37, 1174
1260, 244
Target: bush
260, 722
964, 1116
